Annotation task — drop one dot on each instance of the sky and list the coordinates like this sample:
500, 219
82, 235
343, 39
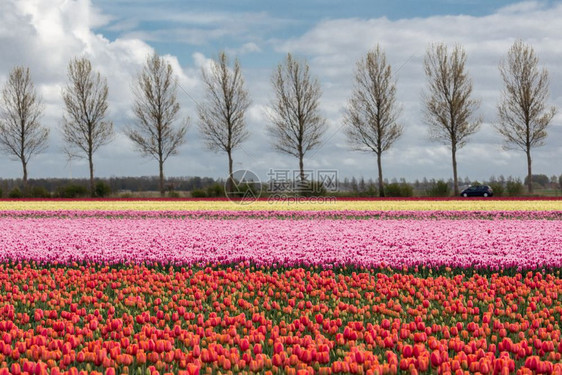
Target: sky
118, 35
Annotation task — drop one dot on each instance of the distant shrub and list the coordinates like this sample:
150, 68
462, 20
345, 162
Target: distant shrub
72, 191
246, 191
439, 189
15, 193
396, 189
173, 194
407, 190
393, 190
102, 189
215, 190
537, 179
38, 192
198, 193
514, 188
371, 191
497, 188
311, 189
1, 193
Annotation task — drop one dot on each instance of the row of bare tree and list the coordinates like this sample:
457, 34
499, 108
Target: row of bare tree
371, 116
85, 127
523, 117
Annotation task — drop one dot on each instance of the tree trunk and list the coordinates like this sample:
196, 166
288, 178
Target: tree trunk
24, 165
161, 166
455, 180
91, 162
529, 172
381, 183
301, 185
229, 181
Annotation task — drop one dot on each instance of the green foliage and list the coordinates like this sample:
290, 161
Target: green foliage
38, 192
540, 179
497, 188
247, 191
198, 193
1, 193
560, 182
371, 191
215, 190
393, 190
72, 191
514, 187
439, 189
15, 193
396, 189
407, 190
313, 189
173, 194
102, 189
363, 189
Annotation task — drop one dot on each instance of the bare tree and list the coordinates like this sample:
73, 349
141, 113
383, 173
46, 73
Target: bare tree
85, 128
448, 103
371, 114
297, 125
522, 112
21, 134
222, 114
156, 108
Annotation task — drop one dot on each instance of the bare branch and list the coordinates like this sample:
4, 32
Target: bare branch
85, 128
297, 125
156, 108
448, 103
21, 134
522, 112
371, 114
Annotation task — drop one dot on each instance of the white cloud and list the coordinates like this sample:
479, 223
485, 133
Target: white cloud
249, 47
194, 27
45, 35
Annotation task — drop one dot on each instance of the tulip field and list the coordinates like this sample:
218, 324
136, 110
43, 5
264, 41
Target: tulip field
346, 287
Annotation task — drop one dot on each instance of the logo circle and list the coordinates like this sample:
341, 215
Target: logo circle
243, 186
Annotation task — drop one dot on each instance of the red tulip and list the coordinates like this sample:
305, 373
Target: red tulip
244, 345
435, 358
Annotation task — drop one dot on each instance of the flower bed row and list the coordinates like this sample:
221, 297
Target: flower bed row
319, 204
293, 215
246, 319
495, 244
